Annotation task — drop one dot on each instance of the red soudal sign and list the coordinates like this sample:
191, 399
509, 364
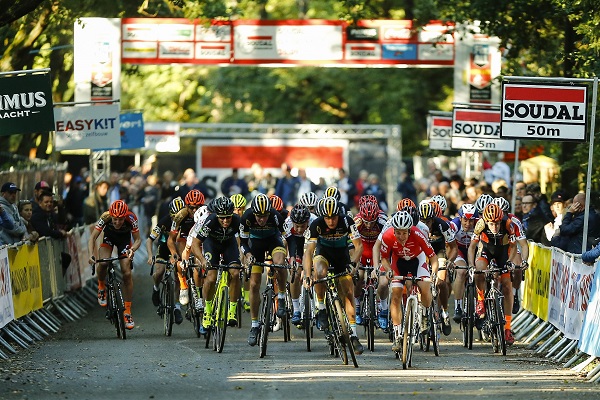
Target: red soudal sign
440, 132
478, 130
544, 111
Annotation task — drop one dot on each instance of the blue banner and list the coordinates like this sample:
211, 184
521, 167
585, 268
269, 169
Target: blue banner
589, 340
132, 130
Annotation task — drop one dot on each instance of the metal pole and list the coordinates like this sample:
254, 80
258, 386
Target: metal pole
588, 185
516, 170
26, 72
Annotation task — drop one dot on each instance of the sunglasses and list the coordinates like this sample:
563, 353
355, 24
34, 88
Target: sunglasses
224, 217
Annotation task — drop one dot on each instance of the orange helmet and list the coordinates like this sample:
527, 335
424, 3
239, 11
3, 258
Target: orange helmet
194, 198
492, 213
276, 202
405, 202
437, 209
118, 209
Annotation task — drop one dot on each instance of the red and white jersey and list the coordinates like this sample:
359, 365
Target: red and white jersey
416, 244
369, 234
518, 227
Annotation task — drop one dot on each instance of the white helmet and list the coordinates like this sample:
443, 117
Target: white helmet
483, 201
441, 200
402, 220
503, 203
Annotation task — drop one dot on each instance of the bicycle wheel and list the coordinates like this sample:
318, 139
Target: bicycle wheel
111, 308
435, 329
340, 331
499, 325
407, 339
120, 311
370, 308
490, 310
307, 317
285, 321
168, 302
265, 323
239, 311
221, 322
468, 320
196, 319
346, 329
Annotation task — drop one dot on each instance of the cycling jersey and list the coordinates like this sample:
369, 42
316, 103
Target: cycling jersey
260, 239
217, 240
199, 216
117, 237
462, 237
294, 240
333, 244
182, 223
494, 245
161, 232
410, 257
441, 233
369, 234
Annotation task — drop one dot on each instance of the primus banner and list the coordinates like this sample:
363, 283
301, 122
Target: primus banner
26, 103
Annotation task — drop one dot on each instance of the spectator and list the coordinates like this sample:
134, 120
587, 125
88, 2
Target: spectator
406, 187
189, 182
43, 219
234, 185
521, 189
95, 204
570, 237
519, 208
114, 187
534, 221
360, 184
557, 207
149, 201
347, 188
590, 256
287, 187
305, 185
38, 189
535, 190
501, 170
8, 199
74, 200
62, 217
25, 212
376, 190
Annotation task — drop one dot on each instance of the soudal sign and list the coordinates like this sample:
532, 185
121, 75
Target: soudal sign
439, 131
544, 112
26, 104
478, 130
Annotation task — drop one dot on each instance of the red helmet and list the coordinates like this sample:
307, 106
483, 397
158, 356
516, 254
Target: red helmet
369, 211
276, 202
194, 198
367, 198
492, 213
405, 202
118, 209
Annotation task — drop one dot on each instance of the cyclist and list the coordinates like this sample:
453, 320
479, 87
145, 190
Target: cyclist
277, 204
494, 238
329, 237
239, 203
309, 199
119, 225
161, 232
295, 230
217, 237
463, 226
408, 249
261, 230
441, 237
182, 224
369, 222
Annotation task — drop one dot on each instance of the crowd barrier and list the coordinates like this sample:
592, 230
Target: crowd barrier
42, 284
560, 317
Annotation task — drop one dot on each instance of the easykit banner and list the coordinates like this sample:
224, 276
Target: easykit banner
87, 127
25, 279
7, 311
26, 103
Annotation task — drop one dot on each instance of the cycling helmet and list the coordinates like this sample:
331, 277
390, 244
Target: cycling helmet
441, 200
308, 199
483, 201
210, 207
426, 210
319, 207
223, 206
369, 211
239, 201
276, 202
367, 198
402, 220
437, 209
332, 191
492, 213
503, 203
176, 205
405, 202
413, 213
299, 214
330, 207
118, 209
194, 198
467, 211
261, 204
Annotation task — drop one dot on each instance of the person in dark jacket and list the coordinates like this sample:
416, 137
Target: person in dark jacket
534, 221
570, 237
43, 219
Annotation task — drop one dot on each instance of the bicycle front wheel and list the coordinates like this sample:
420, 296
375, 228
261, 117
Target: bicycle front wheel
307, 316
265, 323
120, 308
340, 330
168, 304
346, 330
371, 318
407, 338
468, 320
221, 322
434, 327
499, 325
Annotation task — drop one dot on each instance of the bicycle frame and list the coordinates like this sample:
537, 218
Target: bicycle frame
368, 308
411, 319
115, 307
166, 308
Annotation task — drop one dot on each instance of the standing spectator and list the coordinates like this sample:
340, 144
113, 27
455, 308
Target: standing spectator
557, 206
406, 187
25, 211
234, 185
305, 185
519, 208
74, 200
360, 184
8, 199
521, 189
501, 170
535, 190
347, 189
149, 201
114, 181
376, 190
189, 182
570, 237
38, 189
95, 204
43, 219
534, 221
287, 187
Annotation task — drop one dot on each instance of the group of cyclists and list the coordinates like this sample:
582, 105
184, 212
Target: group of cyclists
319, 236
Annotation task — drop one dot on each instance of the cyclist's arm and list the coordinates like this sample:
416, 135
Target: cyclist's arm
92, 243
451, 251
171, 244
137, 241
149, 242
358, 249
472, 251
433, 261
307, 259
377, 253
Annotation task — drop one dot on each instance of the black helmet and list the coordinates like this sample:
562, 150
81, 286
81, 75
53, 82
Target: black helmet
299, 214
222, 206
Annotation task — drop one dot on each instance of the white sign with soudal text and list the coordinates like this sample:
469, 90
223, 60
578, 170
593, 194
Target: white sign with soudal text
439, 131
478, 130
546, 112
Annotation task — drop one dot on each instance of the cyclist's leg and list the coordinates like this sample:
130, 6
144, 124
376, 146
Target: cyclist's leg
516, 283
442, 285
278, 253
460, 277
382, 294
358, 294
321, 266
481, 263
505, 281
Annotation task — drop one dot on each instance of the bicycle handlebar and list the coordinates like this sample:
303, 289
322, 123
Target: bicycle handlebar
103, 260
330, 277
407, 278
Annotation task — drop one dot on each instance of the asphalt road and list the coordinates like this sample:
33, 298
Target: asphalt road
85, 360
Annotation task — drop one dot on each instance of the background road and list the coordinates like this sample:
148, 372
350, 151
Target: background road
85, 360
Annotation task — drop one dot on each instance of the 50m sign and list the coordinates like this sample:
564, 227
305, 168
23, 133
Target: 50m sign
546, 112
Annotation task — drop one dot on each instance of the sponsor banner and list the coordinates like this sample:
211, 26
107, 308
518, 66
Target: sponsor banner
25, 279
362, 33
87, 127
71, 275
570, 284
399, 51
320, 158
26, 103
181, 50
546, 112
218, 32
439, 131
363, 51
213, 51
132, 130
7, 312
435, 52
537, 281
589, 341
478, 130
162, 136
146, 50
83, 237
